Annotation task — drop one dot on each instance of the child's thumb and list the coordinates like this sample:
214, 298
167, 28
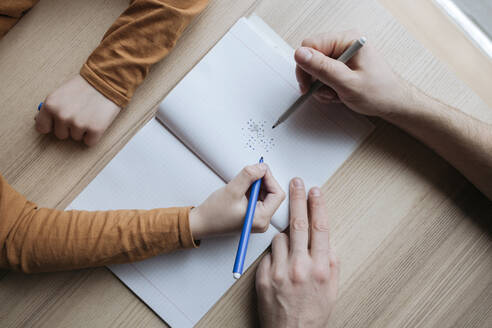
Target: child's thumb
328, 70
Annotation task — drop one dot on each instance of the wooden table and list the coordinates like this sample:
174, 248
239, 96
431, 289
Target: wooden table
414, 237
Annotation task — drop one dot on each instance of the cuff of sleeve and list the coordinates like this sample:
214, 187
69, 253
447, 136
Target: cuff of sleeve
185, 236
103, 87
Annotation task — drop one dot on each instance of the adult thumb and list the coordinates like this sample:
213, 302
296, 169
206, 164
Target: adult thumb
328, 70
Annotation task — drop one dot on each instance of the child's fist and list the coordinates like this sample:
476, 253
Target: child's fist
78, 111
223, 211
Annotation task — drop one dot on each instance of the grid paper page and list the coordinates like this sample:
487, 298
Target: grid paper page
225, 106
156, 170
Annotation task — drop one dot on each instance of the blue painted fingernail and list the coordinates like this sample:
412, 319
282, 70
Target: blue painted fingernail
40, 105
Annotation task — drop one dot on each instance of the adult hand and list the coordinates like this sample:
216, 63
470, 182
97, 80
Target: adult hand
366, 84
223, 211
297, 284
76, 110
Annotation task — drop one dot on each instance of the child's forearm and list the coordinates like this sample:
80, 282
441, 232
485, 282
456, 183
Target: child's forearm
37, 240
140, 37
11, 12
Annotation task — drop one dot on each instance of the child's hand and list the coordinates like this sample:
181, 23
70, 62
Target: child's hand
76, 110
223, 211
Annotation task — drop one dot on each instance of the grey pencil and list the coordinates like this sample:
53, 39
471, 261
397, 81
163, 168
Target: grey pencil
344, 57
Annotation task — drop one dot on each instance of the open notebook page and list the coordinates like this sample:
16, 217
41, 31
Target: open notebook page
156, 170
223, 109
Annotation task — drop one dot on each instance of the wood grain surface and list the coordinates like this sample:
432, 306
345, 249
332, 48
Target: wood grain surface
414, 237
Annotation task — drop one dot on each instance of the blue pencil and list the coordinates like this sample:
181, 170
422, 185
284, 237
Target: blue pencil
248, 222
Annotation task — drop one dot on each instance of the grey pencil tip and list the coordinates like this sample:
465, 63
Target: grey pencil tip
273, 126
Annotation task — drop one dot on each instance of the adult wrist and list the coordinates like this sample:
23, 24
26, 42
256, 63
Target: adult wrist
408, 103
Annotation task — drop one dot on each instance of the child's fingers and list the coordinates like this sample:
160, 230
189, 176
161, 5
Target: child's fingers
92, 137
44, 122
275, 195
61, 129
271, 185
243, 181
76, 133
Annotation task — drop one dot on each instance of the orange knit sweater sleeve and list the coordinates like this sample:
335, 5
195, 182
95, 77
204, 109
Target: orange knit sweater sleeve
11, 11
36, 239
140, 37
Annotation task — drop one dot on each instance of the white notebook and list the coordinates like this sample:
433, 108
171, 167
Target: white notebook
214, 122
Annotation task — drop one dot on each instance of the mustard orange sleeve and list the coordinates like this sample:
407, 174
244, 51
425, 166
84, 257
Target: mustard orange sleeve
140, 37
36, 239
11, 11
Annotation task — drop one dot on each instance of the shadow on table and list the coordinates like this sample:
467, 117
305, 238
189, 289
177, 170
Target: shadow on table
396, 146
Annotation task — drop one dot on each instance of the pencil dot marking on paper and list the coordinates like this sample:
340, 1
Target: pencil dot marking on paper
255, 136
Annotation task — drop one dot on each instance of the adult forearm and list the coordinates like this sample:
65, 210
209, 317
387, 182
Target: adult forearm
465, 142
368, 86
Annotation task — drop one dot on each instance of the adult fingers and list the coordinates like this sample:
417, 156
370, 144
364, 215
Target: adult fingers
299, 225
332, 45
320, 237
263, 273
325, 95
334, 267
44, 121
328, 70
303, 79
241, 182
280, 251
